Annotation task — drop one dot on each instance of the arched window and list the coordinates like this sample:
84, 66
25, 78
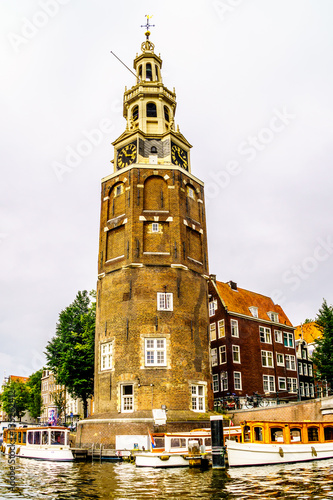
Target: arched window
149, 75
140, 72
135, 113
151, 110
156, 71
153, 150
166, 114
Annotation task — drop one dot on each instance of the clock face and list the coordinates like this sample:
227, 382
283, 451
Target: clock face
179, 156
126, 155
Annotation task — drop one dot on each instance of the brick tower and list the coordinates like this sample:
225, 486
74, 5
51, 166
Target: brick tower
152, 345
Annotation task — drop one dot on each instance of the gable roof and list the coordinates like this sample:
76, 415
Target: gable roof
308, 331
240, 300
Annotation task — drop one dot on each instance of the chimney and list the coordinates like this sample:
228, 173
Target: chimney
232, 285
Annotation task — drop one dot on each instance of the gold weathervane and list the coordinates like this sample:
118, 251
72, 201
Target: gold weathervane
147, 26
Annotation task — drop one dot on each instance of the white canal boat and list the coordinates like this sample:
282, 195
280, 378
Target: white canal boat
265, 443
41, 443
180, 449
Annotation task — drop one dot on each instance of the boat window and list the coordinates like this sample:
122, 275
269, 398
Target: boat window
24, 440
258, 435
178, 443
159, 442
36, 437
295, 435
246, 432
312, 433
45, 437
328, 432
277, 434
19, 437
208, 442
57, 437
30, 438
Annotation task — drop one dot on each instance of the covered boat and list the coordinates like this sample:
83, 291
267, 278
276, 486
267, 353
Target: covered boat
267, 442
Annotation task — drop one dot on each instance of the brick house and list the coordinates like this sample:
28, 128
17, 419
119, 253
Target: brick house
252, 344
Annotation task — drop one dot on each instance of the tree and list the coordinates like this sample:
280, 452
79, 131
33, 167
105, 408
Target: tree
35, 402
323, 354
14, 399
70, 354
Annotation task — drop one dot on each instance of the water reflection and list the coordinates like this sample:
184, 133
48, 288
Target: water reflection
63, 481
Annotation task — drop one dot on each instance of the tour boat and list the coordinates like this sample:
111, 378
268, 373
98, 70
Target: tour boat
180, 449
267, 442
42, 443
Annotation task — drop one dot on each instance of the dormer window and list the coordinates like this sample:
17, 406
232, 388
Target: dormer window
254, 311
151, 110
273, 316
149, 74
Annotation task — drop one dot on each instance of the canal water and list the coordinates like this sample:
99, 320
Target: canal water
121, 481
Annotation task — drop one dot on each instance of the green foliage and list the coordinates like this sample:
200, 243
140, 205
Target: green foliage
323, 353
59, 398
35, 402
70, 354
14, 399
308, 320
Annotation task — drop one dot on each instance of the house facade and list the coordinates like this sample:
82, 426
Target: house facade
305, 370
252, 345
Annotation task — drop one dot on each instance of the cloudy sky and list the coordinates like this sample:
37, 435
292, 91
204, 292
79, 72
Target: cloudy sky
254, 83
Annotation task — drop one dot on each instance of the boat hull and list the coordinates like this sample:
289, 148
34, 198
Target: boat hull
247, 454
160, 460
52, 454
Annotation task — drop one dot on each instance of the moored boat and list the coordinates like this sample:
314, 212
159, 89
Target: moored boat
180, 449
41, 443
267, 442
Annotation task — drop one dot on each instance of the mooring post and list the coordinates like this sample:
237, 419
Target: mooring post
218, 449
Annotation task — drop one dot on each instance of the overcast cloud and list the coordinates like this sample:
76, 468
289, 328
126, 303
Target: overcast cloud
254, 83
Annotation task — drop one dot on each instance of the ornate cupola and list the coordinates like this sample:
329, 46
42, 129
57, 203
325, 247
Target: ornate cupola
149, 109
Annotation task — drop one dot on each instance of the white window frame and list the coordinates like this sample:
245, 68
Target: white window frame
273, 316
155, 351
155, 227
237, 381
310, 370
305, 369
127, 400
282, 383
289, 337
292, 385
311, 390
234, 328
290, 362
278, 336
279, 363
223, 350
266, 357
216, 382
266, 334
212, 331
224, 381
301, 389
268, 383
164, 301
198, 397
307, 389
214, 357
236, 354
221, 328
300, 367
212, 308
106, 356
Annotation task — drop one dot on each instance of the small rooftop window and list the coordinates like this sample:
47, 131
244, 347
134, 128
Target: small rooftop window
273, 316
254, 311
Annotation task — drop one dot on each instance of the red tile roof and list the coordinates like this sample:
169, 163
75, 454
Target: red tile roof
240, 300
308, 331
15, 378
